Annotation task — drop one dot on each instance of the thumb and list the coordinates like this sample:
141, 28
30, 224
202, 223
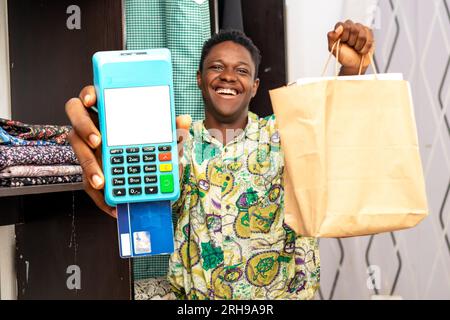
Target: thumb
334, 35
184, 121
183, 125
339, 30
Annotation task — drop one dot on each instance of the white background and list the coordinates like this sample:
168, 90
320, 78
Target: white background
412, 37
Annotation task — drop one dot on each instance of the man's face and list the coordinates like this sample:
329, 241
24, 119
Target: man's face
227, 81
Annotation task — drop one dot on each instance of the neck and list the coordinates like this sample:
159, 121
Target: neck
224, 130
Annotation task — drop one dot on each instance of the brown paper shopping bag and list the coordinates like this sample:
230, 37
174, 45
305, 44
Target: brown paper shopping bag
351, 157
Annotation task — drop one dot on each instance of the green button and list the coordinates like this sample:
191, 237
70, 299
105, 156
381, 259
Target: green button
166, 183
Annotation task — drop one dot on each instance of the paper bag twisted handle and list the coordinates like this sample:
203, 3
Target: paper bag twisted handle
363, 57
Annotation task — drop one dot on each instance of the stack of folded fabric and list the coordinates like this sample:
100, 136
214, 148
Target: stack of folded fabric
36, 155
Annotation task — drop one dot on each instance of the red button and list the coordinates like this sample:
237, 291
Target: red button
165, 156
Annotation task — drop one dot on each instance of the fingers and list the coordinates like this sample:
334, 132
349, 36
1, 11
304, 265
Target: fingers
347, 31
183, 124
339, 27
82, 122
184, 121
180, 156
334, 35
181, 171
88, 161
98, 198
85, 139
180, 148
93, 179
361, 39
369, 45
355, 35
88, 96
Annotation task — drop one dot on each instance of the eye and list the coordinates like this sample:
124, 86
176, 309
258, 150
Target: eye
216, 67
242, 71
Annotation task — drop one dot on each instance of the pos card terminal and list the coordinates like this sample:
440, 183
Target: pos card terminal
139, 146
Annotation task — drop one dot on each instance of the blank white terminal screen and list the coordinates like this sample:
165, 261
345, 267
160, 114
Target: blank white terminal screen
139, 115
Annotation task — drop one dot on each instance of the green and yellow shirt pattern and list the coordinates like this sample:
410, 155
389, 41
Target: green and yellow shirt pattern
231, 241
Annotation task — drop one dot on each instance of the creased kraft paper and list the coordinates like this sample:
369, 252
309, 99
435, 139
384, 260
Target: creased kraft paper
352, 162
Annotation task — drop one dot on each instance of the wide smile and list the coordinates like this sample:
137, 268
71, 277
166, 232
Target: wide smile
226, 93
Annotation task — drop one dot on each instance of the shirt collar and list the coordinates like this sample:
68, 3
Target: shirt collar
200, 131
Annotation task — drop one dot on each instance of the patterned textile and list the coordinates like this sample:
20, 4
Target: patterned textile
31, 181
153, 289
231, 239
33, 155
7, 139
180, 25
18, 133
40, 171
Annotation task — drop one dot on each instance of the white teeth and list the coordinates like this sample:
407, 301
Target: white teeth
226, 91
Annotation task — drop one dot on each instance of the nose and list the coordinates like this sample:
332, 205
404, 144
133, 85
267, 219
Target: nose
228, 75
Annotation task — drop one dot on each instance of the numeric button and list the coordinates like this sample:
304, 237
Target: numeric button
149, 157
150, 168
135, 191
118, 181
117, 160
134, 169
132, 159
150, 179
118, 170
134, 180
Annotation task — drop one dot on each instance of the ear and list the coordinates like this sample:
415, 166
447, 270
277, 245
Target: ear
255, 87
199, 79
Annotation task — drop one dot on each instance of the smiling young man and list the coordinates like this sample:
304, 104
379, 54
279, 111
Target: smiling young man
231, 240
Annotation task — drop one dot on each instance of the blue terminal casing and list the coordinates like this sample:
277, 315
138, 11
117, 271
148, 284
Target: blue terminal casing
135, 103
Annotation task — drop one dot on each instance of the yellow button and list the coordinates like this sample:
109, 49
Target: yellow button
165, 167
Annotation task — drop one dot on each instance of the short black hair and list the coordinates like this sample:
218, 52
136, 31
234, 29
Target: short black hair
235, 36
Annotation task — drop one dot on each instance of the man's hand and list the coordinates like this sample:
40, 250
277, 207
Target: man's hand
86, 141
183, 125
356, 41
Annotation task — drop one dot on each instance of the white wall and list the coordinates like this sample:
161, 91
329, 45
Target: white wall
307, 25
412, 37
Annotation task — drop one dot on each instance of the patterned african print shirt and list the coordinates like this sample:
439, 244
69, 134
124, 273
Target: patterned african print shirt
231, 241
